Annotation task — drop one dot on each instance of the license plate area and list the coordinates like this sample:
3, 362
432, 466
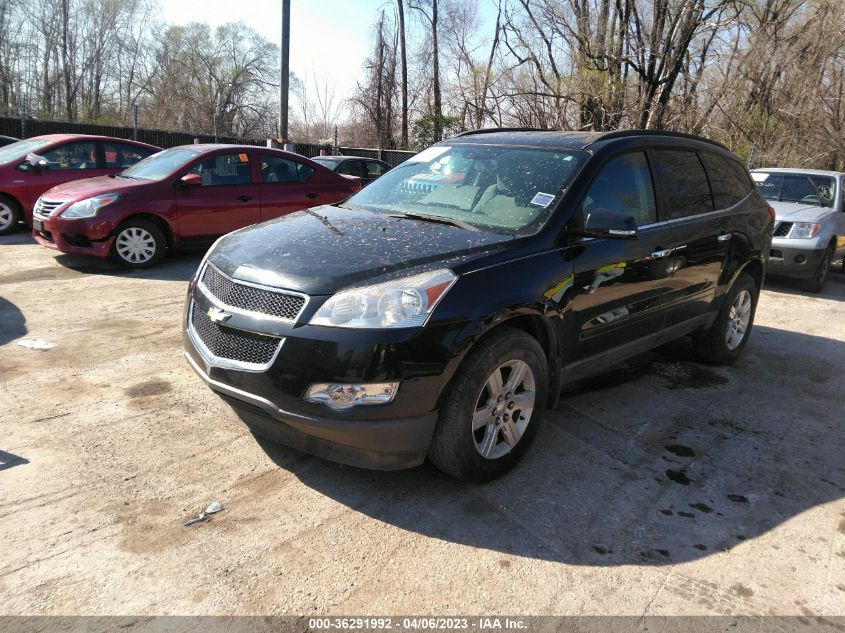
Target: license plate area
38, 225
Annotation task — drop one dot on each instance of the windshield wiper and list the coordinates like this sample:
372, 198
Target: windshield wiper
438, 219
125, 176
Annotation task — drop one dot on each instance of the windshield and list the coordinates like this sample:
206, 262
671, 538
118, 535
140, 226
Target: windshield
326, 162
21, 149
804, 188
501, 188
160, 165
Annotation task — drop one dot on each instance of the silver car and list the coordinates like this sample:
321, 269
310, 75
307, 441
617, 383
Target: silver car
809, 230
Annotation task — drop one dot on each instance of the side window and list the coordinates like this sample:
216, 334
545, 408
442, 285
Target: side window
122, 154
224, 169
374, 170
352, 168
728, 180
684, 181
82, 155
278, 169
304, 171
624, 186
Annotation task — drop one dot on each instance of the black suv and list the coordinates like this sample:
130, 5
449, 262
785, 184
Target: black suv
438, 311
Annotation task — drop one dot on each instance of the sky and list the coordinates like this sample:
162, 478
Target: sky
329, 39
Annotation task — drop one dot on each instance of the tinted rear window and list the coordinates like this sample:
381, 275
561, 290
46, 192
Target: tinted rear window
681, 176
728, 180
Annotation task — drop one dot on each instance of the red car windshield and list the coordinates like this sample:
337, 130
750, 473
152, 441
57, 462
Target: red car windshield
20, 149
160, 165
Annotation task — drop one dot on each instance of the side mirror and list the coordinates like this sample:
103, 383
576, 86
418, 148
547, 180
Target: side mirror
604, 223
34, 160
191, 180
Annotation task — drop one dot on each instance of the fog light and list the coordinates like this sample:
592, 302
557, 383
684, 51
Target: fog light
346, 396
800, 259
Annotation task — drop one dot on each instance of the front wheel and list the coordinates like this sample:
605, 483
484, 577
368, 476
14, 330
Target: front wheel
816, 282
727, 337
138, 244
494, 408
10, 215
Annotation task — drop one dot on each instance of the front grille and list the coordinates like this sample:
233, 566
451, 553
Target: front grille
782, 229
279, 304
45, 208
232, 344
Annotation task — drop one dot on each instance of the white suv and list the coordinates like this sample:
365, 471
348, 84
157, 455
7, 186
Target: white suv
809, 229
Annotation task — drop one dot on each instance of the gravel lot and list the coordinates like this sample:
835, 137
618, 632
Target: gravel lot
662, 487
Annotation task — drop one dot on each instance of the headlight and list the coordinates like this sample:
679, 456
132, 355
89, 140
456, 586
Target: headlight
804, 230
394, 304
88, 208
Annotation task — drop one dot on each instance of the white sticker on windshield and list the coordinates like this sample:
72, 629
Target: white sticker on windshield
758, 176
428, 155
542, 199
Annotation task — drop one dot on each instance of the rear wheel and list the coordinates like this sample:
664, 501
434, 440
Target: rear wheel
725, 340
816, 282
494, 409
10, 215
138, 244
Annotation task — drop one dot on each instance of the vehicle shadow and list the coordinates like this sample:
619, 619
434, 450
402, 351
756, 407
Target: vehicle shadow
659, 461
179, 266
17, 238
12, 322
834, 287
10, 460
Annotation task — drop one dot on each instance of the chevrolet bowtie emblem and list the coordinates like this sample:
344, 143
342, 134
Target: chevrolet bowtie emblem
217, 315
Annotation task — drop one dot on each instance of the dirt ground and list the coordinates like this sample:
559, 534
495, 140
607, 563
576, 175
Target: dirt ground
662, 487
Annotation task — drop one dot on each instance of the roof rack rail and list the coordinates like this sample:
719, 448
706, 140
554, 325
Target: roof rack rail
490, 130
605, 136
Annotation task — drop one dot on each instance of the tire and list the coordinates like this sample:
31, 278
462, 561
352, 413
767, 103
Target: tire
10, 215
817, 281
138, 244
456, 449
725, 340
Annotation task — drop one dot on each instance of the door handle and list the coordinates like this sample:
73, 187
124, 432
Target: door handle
724, 237
244, 197
311, 195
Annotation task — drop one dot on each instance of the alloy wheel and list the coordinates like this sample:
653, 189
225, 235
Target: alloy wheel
739, 317
7, 216
503, 409
135, 245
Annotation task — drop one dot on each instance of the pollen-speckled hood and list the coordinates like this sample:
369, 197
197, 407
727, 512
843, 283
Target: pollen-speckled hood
325, 249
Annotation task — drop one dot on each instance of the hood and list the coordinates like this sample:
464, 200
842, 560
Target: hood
81, 189
323, 250
798, 211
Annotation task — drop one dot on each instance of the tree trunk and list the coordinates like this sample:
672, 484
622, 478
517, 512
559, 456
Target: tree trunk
438, 108
401, 7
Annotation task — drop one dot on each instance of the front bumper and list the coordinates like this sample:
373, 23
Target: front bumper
383, 444
789, 259
76, 237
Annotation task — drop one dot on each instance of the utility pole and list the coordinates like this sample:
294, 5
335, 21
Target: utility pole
285, 71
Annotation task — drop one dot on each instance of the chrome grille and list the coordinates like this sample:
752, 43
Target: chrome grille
278, 304
45, 208
782, 229
231, 344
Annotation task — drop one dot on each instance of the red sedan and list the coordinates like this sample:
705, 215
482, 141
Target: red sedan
30, 167
182, 196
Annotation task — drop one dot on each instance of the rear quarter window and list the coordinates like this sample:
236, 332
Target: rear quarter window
728, 180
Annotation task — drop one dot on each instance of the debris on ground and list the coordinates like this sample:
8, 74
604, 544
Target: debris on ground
37, 343
205, 515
